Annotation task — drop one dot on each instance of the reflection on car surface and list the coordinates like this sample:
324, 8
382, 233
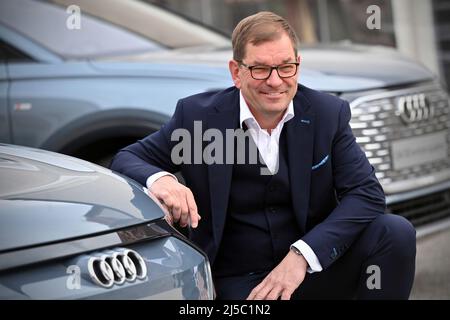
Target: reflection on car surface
70, 229
89, 92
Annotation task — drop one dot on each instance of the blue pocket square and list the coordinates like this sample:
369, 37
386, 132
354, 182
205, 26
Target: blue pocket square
321, 163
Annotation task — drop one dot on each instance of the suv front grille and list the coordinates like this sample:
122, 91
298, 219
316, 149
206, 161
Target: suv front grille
376, 124
424, 209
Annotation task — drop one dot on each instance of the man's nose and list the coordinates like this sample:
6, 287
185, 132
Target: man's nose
274, 79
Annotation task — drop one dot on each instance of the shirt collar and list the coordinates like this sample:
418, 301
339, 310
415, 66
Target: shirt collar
247, 117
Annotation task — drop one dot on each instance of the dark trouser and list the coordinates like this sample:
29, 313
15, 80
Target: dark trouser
389, 242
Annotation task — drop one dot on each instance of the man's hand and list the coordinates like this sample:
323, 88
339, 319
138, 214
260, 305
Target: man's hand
178, 200
283, 280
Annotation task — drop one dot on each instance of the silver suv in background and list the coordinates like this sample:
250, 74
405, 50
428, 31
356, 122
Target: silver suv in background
89, 92
405, 133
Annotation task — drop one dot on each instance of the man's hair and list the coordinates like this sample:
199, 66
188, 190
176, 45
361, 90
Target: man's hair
259, 28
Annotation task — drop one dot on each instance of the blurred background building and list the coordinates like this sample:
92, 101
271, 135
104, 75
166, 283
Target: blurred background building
418, 28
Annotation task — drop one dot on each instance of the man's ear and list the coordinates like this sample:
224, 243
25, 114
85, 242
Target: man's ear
234, 70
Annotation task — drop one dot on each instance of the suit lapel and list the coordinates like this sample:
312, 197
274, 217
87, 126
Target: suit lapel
225, 116
300, 139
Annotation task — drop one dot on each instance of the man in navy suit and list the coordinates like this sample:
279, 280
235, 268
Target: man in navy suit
314, 227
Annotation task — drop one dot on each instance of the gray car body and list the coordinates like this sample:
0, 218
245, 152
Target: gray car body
55, 211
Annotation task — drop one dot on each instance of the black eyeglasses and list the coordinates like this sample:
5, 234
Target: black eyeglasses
262, 72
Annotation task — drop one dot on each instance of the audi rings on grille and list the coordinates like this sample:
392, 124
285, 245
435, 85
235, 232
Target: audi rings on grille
414, 108
116, 267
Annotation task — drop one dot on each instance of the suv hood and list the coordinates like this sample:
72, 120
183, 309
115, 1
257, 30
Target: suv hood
332, 68
382, 66
49, 197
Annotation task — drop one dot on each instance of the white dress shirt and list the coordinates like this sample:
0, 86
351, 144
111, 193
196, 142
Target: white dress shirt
268, 146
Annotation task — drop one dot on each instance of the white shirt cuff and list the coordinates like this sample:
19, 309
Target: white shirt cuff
156, 176
310, 257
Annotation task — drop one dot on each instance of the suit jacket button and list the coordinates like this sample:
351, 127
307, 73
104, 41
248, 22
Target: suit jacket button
333, 254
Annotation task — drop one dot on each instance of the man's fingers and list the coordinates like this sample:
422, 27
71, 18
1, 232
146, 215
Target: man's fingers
286, 295
178, 200
192, 206
184, 219
168, 217
269, 292
176, 210
171, 203
184, 211
274, 294
260, 291
182, 207
252, 294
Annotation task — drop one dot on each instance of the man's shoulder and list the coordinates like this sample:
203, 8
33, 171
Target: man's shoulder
214, 98
314, 96
323, 105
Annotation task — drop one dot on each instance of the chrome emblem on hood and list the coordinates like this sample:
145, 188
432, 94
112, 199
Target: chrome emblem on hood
116, 267
414, 108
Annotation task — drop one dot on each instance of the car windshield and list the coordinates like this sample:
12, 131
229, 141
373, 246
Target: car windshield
46, 25
151, 22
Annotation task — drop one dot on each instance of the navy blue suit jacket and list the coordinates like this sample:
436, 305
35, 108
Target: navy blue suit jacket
335, 193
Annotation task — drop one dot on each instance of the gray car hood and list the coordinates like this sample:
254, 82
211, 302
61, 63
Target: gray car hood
47, 197
332, 68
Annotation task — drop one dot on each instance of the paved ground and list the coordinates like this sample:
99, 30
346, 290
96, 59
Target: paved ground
432, 279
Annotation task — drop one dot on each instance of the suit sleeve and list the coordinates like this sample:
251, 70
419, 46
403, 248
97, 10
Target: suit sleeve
151, 154
360, 195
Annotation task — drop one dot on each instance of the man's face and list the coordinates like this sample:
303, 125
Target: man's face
267, 99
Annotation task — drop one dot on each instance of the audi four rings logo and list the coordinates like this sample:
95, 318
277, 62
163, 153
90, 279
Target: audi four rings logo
414, 108
116, 267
